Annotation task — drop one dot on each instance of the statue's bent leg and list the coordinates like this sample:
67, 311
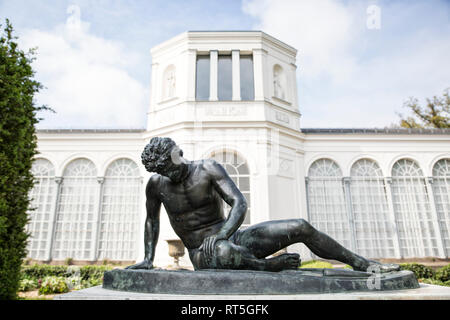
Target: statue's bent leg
231, 256
268, 237
228, 255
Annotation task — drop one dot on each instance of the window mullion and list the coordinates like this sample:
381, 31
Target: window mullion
97, 220
52, 221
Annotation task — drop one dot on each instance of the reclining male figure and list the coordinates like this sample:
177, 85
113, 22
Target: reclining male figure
192, 193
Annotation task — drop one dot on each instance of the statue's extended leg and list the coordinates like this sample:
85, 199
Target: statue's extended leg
268, 237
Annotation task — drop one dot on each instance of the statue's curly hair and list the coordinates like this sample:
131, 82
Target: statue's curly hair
157, 153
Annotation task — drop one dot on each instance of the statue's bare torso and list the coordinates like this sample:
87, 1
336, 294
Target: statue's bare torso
194, 206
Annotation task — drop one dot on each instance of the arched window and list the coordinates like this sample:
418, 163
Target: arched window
279, 82
119, 219
75, 222
326, 200
43, 198
374, 230
169, 83
441, 191
366, 168
412, 209
324, 168
238, 171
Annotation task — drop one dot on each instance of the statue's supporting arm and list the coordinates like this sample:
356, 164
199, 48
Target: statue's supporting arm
151, 232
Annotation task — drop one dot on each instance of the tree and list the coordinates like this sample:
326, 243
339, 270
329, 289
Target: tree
17, 149
436, 113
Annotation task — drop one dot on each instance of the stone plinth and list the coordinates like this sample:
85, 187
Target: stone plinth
233, 282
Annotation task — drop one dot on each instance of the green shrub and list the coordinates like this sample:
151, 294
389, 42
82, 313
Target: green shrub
51, 285
89, 272
28, 284
316, 264
75, 277
443, 274
419, 270
92, 282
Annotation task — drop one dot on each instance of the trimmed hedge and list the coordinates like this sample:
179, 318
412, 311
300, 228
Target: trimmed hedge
40, 271
421, 271
93, 272
425, 274
37, 271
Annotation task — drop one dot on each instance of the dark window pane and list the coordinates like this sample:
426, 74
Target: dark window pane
225, 85
247, 86
202, 78
243, 169
230, 169
244, 183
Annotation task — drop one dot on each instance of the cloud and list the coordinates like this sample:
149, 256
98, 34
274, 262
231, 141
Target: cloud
86, 78
353, 76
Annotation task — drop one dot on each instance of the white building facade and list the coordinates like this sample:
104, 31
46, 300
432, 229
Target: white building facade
232, 96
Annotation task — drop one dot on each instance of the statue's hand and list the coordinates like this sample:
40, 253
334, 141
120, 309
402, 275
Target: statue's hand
209, 244
145, 265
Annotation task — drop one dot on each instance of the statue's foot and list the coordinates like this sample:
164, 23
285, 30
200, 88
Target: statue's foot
144, 265
378, 267
286, 261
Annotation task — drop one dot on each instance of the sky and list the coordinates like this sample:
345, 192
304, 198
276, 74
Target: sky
357, 61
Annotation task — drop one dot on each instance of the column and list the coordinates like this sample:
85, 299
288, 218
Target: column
259, 74
236, 74
154, 90
213, 60
51, 231
398, 252
349, 205
308, 211
307, 199
434, 216
293, 86
96, 223
191, 74
140, 221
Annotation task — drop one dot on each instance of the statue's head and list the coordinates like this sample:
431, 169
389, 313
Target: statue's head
163, 156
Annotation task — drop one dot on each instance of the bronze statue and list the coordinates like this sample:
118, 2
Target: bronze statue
192, 194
